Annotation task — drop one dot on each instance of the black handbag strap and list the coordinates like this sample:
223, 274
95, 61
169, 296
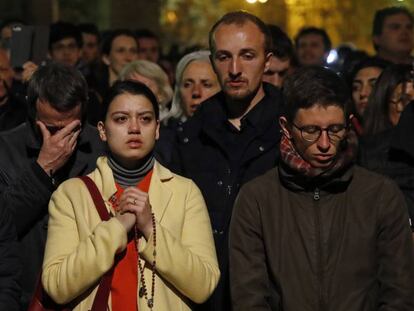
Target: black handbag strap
101, 299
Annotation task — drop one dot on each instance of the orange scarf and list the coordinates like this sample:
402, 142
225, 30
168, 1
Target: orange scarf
124, 286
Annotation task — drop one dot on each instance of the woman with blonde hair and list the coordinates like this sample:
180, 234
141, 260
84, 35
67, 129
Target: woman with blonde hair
154, 77
157, 246
195, 82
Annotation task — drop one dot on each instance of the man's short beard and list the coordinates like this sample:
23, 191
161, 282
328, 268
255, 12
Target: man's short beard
238, 105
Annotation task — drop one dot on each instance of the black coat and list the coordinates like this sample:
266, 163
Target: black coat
164, 147
403, 133
25, 190
13, 112
10, 267
378, 154
202, 154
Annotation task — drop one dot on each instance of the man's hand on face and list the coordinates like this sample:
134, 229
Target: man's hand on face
57, 147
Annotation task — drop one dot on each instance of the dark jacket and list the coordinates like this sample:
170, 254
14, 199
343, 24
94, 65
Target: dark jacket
341, 245
402, 143
403, 133
164, 147
10, 267
377, 154
219, 166
25, 190
13, 112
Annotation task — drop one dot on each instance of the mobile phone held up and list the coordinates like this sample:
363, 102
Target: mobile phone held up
29, 43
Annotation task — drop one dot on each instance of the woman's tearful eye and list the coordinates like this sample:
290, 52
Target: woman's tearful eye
120, 118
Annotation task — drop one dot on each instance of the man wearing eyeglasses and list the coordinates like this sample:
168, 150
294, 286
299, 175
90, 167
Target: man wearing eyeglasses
318, 232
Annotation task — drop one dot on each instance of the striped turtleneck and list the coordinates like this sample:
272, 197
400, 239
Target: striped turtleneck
130, 177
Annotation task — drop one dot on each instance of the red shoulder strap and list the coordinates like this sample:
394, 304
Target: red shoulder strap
101, 299
96, 197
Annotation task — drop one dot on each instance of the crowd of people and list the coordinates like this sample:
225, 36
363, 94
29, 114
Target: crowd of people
249, 175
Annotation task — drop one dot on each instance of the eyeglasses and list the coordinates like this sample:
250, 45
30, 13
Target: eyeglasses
311, 133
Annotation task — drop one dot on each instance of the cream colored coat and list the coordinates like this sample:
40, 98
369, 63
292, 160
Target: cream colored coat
80, 248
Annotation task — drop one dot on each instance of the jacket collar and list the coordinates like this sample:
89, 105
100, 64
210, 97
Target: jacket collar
160, 192
213, 112
335, 183
211, 117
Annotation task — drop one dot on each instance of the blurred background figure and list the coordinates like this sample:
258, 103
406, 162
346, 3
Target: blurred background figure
91, 40
392, 93
154, 78
341, 57
402, 144
283, 61
148, 45
119, 48
363, 79
195, 82
13, 109
6, 28
65, 47
392, 35
312, 46
169, 67
350, 62
65, 44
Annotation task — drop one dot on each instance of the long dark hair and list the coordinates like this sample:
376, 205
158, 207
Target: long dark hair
376, 116
367, 62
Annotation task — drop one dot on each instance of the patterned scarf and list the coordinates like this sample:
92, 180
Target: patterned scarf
293, 159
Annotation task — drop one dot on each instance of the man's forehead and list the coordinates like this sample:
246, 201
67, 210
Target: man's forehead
248, 30
311, 37
147, 41
327, 113
66, 40
399, 18
236, 27
45, 107
279, 63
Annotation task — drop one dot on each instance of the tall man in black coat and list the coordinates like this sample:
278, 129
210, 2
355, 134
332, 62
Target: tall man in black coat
234, 135
36, 156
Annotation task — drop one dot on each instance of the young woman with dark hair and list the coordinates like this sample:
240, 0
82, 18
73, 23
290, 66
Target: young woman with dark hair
390, 96
363, 78
392, 92
159, 240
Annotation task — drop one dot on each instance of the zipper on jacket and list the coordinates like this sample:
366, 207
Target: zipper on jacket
229, 188
316, 194
316, 197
